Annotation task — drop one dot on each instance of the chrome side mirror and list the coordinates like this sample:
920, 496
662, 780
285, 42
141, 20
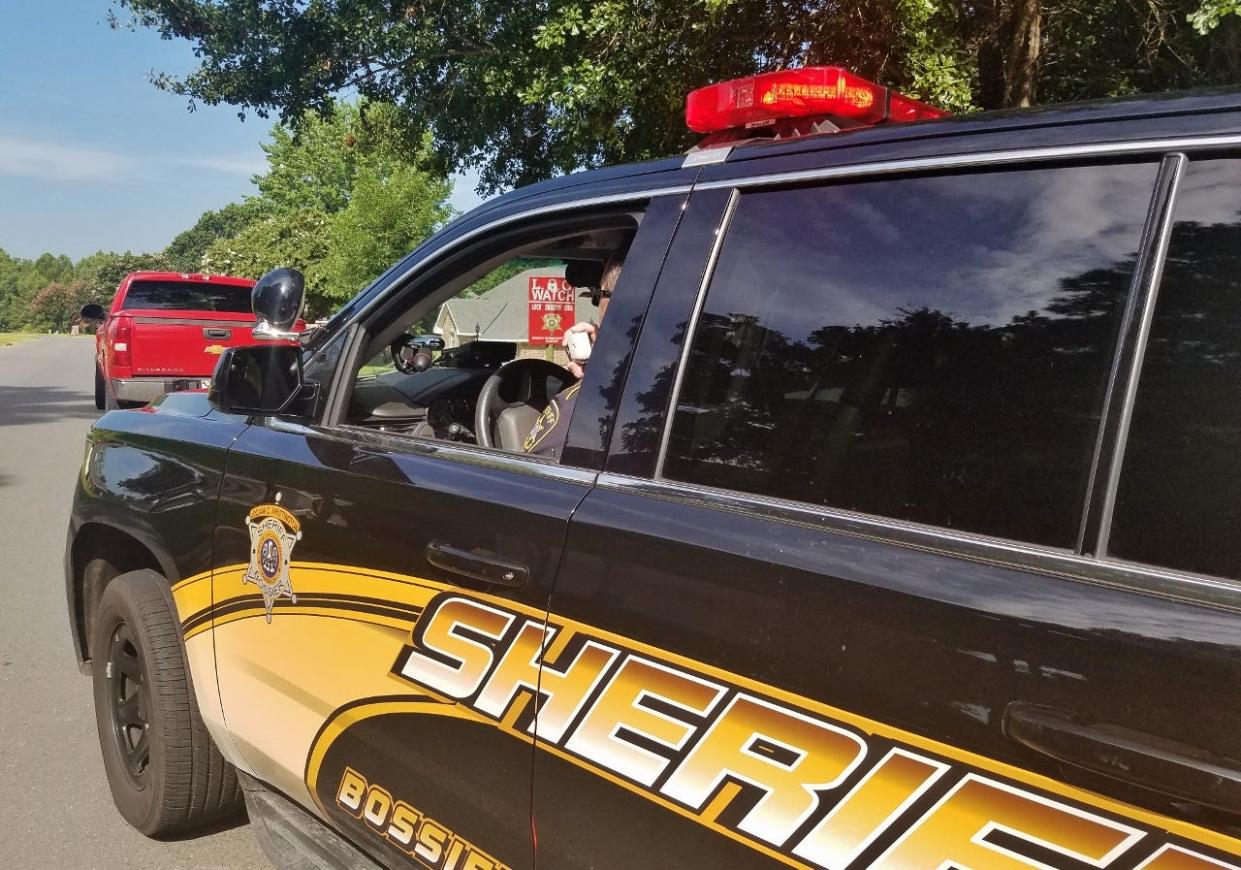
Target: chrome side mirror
277, 301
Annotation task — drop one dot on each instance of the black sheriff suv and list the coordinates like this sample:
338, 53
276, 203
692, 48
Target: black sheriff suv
889, 519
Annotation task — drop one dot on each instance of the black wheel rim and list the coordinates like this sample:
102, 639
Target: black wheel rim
128, 705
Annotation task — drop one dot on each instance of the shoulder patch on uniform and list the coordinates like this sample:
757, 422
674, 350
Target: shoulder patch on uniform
549, 419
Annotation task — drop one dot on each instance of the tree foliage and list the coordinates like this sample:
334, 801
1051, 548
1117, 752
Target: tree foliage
338, 202
527, 90
45, 292
316, 165
56, 306
185, 252
20, 282
1209, 15
102, 271
392, 208
297, 239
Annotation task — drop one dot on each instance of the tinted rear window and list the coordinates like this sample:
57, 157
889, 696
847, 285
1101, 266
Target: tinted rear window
930, 349
1177, 503
188, 296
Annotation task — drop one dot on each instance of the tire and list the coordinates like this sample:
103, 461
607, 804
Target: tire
109, 400
165, 773
101, 391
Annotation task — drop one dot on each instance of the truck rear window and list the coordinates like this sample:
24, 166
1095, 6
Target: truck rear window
188, 296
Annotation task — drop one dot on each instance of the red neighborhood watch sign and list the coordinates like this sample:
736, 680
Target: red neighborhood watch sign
552, 308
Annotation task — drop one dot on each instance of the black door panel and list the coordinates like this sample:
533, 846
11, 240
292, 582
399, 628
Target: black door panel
314, 692
918, 654
862, 530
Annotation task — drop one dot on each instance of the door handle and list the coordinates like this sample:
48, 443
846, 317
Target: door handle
216, 332
480, 565
1157, 763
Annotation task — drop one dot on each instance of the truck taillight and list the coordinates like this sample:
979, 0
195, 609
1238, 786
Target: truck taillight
120, 345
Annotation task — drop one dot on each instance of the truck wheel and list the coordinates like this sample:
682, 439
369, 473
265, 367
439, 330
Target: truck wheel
101, 392
165, 772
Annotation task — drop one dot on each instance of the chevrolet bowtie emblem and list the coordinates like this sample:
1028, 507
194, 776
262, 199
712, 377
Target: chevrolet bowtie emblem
216, 349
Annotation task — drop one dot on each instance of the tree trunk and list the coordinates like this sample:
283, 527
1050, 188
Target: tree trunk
1021, 63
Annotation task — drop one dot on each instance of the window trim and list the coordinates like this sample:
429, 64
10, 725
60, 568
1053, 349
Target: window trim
335, 410
468, 454
1127, 360
452, 246
691, 327
1173, 156
1148, 297
981, 159
1111, 572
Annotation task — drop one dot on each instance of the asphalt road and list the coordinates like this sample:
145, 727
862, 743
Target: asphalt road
55, 809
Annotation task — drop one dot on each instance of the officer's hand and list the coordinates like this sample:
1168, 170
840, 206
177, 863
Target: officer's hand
575, 365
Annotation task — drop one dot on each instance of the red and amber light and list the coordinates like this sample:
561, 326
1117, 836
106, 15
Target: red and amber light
813, 91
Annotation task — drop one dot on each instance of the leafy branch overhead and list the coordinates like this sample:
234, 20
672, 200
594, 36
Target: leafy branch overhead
341, 202
524, 91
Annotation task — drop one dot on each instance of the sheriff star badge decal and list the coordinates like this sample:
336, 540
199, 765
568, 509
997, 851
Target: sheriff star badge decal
273, 532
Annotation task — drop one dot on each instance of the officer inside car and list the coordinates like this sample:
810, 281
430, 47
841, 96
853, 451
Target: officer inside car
547, 436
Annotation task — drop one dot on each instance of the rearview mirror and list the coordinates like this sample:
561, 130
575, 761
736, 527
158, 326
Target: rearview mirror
261, 379
93, 311
277, 302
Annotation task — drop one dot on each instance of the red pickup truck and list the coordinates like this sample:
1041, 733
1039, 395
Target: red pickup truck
164, 332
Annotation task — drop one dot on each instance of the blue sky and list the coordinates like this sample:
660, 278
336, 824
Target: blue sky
92, 156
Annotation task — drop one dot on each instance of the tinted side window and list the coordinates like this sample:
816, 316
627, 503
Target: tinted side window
928, 349
1179, 499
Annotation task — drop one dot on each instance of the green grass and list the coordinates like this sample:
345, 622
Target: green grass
8, 338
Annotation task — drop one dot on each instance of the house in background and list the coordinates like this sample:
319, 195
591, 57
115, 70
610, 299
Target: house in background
502, 314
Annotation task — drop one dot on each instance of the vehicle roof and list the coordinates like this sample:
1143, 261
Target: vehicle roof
1154, 118
1082, 122
232, 280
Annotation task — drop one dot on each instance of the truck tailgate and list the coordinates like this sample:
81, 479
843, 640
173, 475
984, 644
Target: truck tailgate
187, 344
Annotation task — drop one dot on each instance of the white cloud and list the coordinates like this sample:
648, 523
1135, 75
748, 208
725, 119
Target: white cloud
246, 166
59, 162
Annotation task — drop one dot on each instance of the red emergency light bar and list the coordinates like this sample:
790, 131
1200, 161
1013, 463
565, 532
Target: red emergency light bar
814, 91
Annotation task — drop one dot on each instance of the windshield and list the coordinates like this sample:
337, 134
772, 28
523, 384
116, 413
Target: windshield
188, 296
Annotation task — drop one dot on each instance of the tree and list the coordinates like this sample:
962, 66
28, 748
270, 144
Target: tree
1209, 15
21, 280
45, 292
103, 271
185, 252
56, 306
392, 207
339, 201
297, 239
526, 90
316, 165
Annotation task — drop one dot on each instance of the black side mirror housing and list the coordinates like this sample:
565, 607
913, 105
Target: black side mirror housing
93, 311
277, 301
260, 379
428, 342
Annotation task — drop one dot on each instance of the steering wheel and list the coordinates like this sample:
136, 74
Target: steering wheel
512, 399
405, 361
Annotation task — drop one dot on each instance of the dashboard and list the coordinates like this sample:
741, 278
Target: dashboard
436, 403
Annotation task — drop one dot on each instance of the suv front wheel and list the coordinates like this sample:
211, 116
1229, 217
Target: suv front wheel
166, 774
